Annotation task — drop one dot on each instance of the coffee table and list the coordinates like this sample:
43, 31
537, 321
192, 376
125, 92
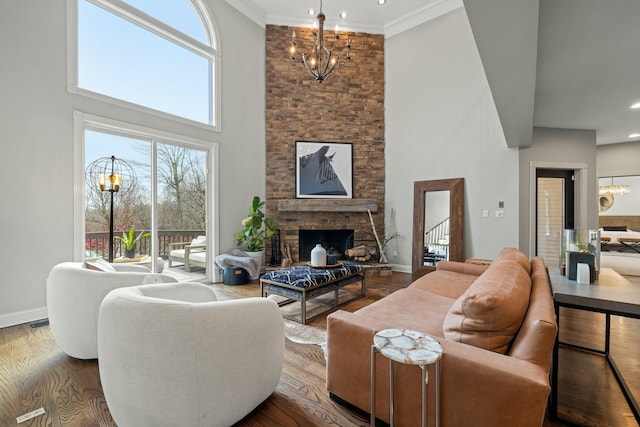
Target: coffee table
305, 283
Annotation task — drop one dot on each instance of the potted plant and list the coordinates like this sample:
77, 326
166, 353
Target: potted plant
258, 230
129, 241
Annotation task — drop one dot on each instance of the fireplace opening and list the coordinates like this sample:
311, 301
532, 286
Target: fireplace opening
336, 239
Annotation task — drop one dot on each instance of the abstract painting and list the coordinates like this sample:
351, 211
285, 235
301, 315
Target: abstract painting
324, 170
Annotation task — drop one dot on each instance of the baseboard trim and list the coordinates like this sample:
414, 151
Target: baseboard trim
400, 268
21, 317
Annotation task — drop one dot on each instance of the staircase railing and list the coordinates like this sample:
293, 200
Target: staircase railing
439, 234
436, 243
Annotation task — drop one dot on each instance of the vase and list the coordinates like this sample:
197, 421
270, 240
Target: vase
318, 256
130, 253
260, 256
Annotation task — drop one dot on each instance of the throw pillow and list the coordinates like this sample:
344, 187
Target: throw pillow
615, 228
99, 265
489, 314
199, 241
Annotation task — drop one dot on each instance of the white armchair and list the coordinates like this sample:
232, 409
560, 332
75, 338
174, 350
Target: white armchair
171, 355
74, 295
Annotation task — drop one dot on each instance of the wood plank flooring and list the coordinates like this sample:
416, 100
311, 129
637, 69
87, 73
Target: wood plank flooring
35, 373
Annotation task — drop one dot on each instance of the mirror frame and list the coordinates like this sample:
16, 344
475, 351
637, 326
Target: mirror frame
456, 220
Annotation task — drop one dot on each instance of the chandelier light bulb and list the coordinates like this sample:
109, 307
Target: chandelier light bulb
381, 2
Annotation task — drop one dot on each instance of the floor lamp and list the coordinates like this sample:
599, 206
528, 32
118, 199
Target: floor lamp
111, 174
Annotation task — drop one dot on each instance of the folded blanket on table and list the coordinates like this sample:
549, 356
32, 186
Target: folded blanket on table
238, 258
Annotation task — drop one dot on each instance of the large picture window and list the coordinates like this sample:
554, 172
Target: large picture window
166, 195
155, 55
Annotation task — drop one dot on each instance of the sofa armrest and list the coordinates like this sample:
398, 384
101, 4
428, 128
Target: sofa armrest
177, 245
496, 389
462, 267
130, 268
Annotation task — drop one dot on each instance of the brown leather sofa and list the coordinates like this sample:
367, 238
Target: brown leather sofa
497, 328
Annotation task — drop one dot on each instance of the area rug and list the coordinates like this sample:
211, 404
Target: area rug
314, 306
310, 335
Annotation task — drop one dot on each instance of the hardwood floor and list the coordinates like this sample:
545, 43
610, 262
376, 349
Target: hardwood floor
35, 373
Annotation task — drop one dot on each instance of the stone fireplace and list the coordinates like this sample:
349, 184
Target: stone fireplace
349, 108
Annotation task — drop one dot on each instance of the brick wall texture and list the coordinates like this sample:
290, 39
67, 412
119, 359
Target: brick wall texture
347, 107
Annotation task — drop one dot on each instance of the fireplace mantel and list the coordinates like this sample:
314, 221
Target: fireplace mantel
327, 205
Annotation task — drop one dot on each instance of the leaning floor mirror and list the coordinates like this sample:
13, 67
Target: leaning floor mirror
438, 223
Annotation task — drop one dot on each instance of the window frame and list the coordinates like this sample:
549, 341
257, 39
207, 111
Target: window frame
147, 22
83, 121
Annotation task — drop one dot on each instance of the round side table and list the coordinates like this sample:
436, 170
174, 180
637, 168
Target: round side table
411, 348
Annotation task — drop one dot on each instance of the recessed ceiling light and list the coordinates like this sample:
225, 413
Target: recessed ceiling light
311, 12
634, 135
343, 15
636, 105
381, 2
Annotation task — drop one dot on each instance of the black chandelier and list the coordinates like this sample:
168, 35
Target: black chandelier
320, 62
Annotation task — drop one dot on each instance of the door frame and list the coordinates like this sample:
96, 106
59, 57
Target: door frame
82, 121
580, 195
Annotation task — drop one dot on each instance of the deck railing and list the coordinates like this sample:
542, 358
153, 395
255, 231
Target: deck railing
97, 244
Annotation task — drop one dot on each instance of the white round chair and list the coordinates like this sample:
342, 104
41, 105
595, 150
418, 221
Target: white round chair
171, 355
74, 295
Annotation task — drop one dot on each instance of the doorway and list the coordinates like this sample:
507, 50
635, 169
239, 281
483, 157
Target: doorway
555, 211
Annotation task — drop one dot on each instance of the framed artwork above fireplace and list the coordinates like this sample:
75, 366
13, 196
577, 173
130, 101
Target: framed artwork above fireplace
324, 170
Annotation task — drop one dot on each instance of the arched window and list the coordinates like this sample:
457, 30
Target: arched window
159, 55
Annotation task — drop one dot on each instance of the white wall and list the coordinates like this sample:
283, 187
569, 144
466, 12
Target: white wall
36, 132
618, 159
441, 122
626, 204
554, 149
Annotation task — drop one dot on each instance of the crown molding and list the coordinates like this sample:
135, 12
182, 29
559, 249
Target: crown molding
421, 16
290, 21
404, 23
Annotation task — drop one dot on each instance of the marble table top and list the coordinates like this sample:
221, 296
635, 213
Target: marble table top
408, 346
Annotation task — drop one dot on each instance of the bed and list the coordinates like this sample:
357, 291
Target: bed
614, 227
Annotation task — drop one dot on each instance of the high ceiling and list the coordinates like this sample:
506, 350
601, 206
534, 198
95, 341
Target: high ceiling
588, 54
362, 15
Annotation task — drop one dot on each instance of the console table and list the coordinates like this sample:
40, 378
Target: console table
611, 294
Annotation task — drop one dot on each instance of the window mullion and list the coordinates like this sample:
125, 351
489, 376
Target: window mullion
141, 19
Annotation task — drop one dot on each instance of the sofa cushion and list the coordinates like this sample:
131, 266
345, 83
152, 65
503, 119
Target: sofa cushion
446, 283
489, 313
515, 255
407, 308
